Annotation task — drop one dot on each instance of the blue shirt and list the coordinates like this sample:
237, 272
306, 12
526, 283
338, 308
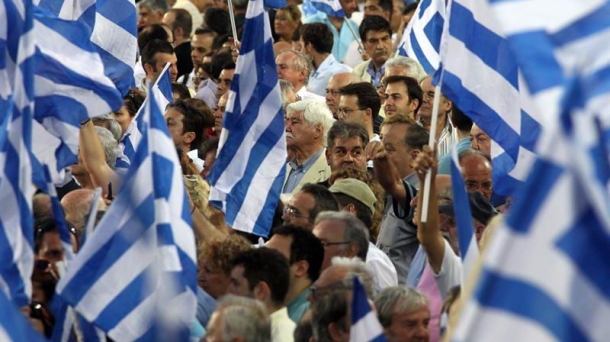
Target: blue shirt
376, 75
341, 40
319, 78
298, 171
297, 308
206, 305
444, 164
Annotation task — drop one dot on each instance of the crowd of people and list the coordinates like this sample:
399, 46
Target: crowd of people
357, 122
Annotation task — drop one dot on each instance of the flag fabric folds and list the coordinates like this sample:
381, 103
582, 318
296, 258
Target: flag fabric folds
483, 80
136, 276
421, 39
365, 325
16, 188
14, 327
249, 171
330, 7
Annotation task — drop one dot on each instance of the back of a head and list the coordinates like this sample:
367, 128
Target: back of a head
304, 246
460, 120
109, 122
412, 67
244, 319
300, 61
367, 96
269, 266
204, 110
134, 100
150, 33
181, 90
218, 20
182, 20
240, 4
152, 48
76, 205
109, 144
374, 23
41, 206
219, 59
324, 199
355, 231
319, 35
398, 299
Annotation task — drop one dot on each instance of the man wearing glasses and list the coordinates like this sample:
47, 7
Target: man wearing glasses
306, 204
335, 83
342, 234
360, 103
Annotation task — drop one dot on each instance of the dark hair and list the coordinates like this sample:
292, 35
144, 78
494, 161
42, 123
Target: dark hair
460, 120
217, 20
374, 23
413, 89
319, 35
150, 33
203, 30
208, 146
324, 199
154, 47
410, 8
230, 65
134, 100
220, 40
346, 129
296, 34
192, 120
367, 96
219, 59
266, 265
363, 213
387, 5
206, 112
304, 246
417, 136
303, 332
182, 20
472, 152
182, 90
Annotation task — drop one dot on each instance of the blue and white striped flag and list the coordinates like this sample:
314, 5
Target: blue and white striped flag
112, 27
162, 90
16, 188
469, 249
136, 276
422, 37
546, 272
483, 80
365, 324
332, 8
14, 326
249, 171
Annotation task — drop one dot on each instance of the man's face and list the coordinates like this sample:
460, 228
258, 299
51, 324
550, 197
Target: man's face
346, 152
239, 284
477, 174
122, 117
425, 111
146, 17
409, 327
168, 19
51, 248
224, 83
332, 92
153, 71
208, 162
200, 44
174, 118
349, 7
397, 100
298, 210
298, 132
371, 8
378, 45
332, 235
349, 110
286, 70
479, 140
398, 152
220, 112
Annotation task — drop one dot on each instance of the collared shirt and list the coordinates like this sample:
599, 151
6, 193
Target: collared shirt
189, 81
298, 171
282, 327
319, 78
376, 75
206, 305
298, 306
207, 93
381, 267
305, 94
138, 72
341, 40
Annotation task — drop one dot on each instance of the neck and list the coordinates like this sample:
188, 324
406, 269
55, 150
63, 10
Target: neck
272, 308
440, 124
463, 134
297, 289
178, 41
377, 66
319, 58
305, 152
337, 22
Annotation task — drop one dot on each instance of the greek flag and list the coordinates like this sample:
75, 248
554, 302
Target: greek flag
249, 171
16, 188
14, 327
136, 276
162, 90
422, 37
483, 80
365, 325
332, 8
112, 27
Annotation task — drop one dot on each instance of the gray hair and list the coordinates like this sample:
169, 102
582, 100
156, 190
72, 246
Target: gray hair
414, 69
286, 88
109, 122
154, 5
110, 145
356, 267
314, 112
244, 318
355, 230
472, 152
398, 299
300, 62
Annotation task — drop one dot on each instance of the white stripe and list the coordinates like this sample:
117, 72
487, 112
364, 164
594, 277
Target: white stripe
366, 329
74, 9
4, 336
136, 322
44, 146
483, 14
525, 161
95, 105
114, 39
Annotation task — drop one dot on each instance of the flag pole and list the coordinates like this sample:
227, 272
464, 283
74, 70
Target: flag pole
233, 27
354, 34
431, 143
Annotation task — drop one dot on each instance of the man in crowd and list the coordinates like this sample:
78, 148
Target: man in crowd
201, 43
424, 116
305, 205
185, 124
376, 35
403, 96
225, 79
154, 57
295, 67
360, 103
239, 319
399, 305
346, 146
479, 140
180, 22
476, 169
151, 12
335, 83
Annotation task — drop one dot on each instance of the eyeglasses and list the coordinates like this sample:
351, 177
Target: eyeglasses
345, 112
292, 212
327, 244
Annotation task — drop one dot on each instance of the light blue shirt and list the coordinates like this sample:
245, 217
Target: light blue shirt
319, 78
376, 75
298, 307
341, 40
444, 164
297, 172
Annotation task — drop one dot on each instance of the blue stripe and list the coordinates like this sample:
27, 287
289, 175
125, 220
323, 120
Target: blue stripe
419, 54
325, 8
434, 30
165, 86
164, 170
120, 12
503, 182
74, 31
529, 302
530, 131
9, 271
597, 83
64, 156
461, 209
586, 26
15, 324
492, 49
423, 6
16, 25
2, 55
120, 73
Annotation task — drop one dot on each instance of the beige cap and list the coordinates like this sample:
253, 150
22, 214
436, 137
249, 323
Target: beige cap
356, 189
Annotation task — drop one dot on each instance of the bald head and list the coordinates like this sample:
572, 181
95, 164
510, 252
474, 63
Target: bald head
335, 83
476, 169
77, 205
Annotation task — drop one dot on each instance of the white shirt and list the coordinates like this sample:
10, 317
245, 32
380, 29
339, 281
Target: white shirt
196, 16
307, 95
282, 327
374, 138
378, 263
138, 72
319, 78
450, 274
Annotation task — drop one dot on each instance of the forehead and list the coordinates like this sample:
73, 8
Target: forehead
337, 82
349, 101
303, 201
476, 166
201, 39
172, 113
223, 100
227, 73
476, 130
396, 71
376, 34
349, 142
143, 10
294, 115
426, 84
394, 132
285, 58
330, 231
396, 88
368, 3
162, 58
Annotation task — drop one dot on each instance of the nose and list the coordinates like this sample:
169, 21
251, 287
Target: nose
348, 158
474, 144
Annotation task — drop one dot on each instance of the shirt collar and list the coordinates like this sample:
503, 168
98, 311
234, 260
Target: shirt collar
307, 163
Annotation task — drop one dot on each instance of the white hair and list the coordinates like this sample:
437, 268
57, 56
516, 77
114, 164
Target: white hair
314, 112
356, 267
414, 69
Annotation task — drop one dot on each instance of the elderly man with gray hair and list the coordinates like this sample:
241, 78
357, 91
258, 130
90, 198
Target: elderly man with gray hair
404, 315
295, 67
239, 319
307, 124
404, 66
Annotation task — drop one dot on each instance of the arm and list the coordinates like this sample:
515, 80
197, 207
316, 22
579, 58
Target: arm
386, 172
206, 230
429, 234
94, 160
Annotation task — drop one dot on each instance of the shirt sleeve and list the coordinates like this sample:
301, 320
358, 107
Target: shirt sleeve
450, 274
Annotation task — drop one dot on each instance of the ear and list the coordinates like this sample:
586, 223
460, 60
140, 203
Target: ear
319, 130
336, 332
189, 137
413, 105
262, 292
351, 250
179, 32
350, 208
148, 68
447, 105
369, 114
301, 268
328, 155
